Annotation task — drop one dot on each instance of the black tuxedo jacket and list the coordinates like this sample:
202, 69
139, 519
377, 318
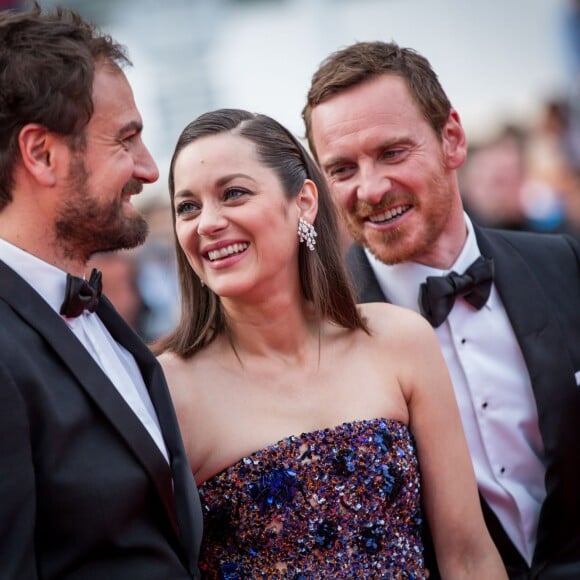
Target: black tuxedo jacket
538, 279
84, 491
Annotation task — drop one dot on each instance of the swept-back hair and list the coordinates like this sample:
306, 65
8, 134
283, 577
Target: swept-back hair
323, 278
363, 61
47, 67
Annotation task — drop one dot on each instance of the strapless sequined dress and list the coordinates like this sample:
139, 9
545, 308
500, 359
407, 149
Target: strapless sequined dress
335, 503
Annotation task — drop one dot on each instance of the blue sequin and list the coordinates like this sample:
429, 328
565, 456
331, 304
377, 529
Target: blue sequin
274, 487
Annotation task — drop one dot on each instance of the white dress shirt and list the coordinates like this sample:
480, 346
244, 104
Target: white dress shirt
493, 391
114, 360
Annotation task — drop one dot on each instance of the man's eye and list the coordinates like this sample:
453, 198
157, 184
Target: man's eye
186, 207
129, 140
341, 171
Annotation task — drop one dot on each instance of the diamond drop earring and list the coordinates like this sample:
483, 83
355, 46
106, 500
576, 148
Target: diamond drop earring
307, 234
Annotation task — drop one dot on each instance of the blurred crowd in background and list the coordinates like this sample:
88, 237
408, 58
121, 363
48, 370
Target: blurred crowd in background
523, 175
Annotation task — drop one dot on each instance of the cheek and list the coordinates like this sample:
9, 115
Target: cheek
187, 238
341, 196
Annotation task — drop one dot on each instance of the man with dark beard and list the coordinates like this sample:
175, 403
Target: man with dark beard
95, 482
505, 305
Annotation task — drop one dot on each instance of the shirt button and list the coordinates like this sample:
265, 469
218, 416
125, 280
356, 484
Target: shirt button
502, 470
463, 340
484, 405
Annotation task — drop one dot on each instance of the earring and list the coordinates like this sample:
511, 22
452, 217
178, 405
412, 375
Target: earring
307, 233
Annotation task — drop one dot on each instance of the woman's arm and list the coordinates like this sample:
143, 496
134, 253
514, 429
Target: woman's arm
463, 546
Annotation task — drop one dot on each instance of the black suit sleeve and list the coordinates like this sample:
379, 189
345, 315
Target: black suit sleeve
17, 491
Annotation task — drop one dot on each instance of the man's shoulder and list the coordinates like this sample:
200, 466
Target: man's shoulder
539, 246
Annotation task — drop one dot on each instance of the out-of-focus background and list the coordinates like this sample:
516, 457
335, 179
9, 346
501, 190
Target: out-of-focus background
510, 67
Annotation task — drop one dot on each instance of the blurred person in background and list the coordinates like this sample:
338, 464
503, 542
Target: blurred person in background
492, 181
120, 271
553, 160
502, 186
95, 482
157, 272
505, 305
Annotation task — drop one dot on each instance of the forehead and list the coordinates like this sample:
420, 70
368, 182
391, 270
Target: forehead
113, 101
383, 103
216, 154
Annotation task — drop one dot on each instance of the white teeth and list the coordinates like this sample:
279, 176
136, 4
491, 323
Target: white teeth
389, 214
226, 251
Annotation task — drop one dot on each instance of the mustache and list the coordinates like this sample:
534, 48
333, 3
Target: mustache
364, 209
133, 186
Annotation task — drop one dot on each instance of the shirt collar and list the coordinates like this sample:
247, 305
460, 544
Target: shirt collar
48, 280
400, 282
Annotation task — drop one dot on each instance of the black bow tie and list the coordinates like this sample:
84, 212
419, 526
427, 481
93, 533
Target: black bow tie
437, 295
81, 295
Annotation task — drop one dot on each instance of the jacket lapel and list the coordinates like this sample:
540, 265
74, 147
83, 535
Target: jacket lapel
551, 372
361, 274
537, 331
35, 312
187, 501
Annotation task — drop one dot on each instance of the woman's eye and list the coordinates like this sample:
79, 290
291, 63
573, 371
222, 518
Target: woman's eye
186, 207
392, 154
234, 193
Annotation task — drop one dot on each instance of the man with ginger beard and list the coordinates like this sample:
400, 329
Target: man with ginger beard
505, 305
95, 480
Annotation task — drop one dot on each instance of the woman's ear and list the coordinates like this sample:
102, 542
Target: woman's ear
307, 201
36, 145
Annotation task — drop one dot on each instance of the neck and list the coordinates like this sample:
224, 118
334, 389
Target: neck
447, 247
283, 329
40, 247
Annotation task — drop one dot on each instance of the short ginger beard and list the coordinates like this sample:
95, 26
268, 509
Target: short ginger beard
399, 245
86, 225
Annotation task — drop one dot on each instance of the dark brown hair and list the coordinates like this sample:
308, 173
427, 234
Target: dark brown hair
323, 277
363, 61
47, 65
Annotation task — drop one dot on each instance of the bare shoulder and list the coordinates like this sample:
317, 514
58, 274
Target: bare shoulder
171, 363
178, 373
393, 323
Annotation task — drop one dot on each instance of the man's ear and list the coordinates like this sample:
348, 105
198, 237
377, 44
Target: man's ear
307, 201
37, 150
453, 141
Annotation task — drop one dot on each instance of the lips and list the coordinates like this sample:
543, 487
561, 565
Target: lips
226, 251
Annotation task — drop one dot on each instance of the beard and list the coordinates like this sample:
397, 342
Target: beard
406, 243
86, 225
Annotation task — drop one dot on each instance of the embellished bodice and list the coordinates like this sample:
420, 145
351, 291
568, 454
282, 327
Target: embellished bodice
335, 503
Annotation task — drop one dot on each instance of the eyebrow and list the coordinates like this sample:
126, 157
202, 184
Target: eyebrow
387, 144
227, 178
130, 127
334, 161
219, 183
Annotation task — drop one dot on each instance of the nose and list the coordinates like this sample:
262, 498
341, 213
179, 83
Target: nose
373, 185
145, 167
211, 221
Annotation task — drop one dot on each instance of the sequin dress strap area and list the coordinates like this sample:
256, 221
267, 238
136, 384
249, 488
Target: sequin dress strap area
335, 503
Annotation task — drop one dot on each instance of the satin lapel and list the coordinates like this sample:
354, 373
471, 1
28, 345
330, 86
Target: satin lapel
365, 282
35, 312
187, 506
536, 330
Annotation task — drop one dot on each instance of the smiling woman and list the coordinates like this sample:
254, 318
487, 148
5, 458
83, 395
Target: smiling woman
308, 423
